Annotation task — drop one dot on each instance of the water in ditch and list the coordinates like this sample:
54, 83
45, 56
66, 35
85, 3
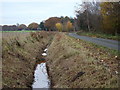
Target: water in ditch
41, 76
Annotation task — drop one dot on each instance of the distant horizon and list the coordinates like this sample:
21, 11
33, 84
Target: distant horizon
32, 22
26, 11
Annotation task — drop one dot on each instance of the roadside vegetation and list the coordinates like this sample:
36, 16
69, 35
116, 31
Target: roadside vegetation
100, 35
77, 64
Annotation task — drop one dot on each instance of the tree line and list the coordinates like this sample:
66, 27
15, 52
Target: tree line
90, 16
51, 24
99, 16
32, 26
59, 24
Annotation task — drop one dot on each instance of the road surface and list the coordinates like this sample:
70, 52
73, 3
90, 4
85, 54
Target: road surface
112, 44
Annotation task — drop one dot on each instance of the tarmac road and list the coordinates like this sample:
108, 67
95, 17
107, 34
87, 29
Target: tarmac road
112, 44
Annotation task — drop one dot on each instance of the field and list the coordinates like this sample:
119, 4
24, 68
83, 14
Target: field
72, 63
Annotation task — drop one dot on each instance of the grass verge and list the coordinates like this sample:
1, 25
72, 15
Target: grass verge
100, 35
74, 63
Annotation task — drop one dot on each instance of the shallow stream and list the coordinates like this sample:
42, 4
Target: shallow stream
41, 76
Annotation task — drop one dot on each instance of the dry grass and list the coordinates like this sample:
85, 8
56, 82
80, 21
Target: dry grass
68, 56
21, 50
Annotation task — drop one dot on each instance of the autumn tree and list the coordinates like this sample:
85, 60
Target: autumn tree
111, 17
51, 22
22, 26
69, 26
9, 28
33, 26
65, 20
59, 26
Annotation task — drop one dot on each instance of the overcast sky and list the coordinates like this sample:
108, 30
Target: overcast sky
28, 11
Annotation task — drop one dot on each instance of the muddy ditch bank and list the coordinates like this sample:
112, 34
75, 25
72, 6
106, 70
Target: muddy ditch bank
70, 62
73, 63
21, 52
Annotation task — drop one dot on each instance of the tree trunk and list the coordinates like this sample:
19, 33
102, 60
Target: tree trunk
88, 22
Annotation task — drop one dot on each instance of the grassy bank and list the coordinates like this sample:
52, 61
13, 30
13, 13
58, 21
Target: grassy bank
74, 63
20, 52
100, 35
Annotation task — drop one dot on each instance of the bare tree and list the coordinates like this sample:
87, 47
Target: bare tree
88, 15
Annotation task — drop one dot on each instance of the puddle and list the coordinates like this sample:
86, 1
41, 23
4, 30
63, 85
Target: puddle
41, 76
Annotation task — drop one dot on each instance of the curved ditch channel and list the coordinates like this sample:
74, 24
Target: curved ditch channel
41, 79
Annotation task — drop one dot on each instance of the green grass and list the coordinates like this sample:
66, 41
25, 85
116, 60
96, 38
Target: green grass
100, 35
